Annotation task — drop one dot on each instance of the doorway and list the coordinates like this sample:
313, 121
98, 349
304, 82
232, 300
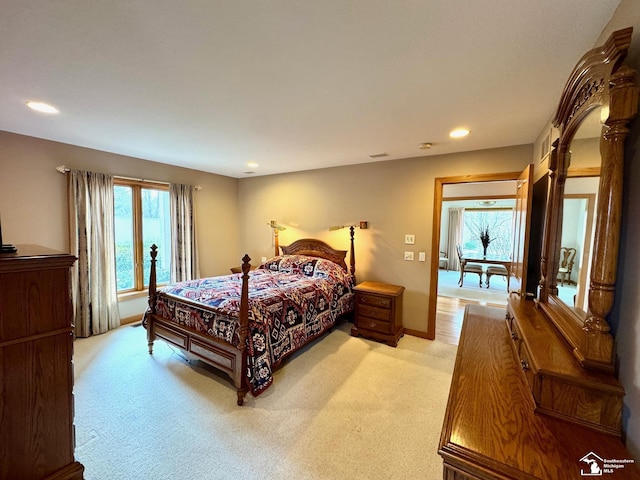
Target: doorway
440, 183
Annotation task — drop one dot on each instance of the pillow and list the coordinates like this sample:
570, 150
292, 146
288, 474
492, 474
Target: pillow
273, 264
305, 265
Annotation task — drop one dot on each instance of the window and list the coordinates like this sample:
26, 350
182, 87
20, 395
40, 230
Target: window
141, 211
497, 221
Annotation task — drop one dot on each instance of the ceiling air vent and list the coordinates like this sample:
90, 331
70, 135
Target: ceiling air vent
379, 155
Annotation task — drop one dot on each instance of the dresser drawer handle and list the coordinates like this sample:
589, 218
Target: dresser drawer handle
514, 336
372, 324
524, 364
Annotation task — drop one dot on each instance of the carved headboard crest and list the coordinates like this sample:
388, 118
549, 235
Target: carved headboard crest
316, 248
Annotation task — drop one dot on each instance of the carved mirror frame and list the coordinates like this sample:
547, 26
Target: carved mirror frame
599, 80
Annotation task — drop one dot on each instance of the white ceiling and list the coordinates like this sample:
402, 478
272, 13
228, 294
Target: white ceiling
290, 84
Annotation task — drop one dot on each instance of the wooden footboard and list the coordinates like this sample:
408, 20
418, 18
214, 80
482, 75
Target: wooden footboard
222, 355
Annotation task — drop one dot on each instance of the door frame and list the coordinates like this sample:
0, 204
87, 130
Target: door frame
586, 254
435, 240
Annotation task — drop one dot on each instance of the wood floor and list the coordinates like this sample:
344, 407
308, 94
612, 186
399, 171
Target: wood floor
449, 314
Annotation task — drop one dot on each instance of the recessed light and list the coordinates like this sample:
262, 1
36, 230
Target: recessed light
425, 146
252, 165
42, 107
459, 133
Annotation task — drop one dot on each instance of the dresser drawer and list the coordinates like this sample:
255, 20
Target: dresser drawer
526, 364
516, 335
374, 324
373, 300
374, 312
522, 355
509, 319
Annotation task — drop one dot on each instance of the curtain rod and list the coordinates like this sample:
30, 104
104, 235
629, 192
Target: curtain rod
65, 169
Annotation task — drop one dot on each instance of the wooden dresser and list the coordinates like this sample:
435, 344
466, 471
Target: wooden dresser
491, 429
378, 312
36, 371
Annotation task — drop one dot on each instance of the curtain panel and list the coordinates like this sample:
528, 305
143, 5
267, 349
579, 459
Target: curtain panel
454, 236
92, 241
184, 251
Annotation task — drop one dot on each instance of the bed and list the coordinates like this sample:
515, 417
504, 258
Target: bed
246, 324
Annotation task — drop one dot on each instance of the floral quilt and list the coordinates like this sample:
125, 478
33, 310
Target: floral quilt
292, 299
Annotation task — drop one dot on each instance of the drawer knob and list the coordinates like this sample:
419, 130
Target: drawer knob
514, 336
372, 324
524, 364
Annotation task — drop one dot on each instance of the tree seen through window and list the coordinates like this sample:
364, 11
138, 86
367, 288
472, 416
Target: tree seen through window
141, 219
497, 222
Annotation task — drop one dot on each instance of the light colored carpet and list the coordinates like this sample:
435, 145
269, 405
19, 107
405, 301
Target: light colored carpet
448, 287
344, 407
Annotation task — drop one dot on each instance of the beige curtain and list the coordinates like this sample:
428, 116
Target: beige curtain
92, 241
454, 236
184, 249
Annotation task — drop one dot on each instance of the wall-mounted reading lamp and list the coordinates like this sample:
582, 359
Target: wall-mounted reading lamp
352, 226
276, 230
361, 225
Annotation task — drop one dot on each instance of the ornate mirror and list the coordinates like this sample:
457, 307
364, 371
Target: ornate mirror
601, 96
578, 219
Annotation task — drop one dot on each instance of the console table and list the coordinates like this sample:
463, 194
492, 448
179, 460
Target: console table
490, 428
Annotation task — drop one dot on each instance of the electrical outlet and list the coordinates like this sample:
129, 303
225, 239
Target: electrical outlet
263, 259
409, 240
422, 257
408, 255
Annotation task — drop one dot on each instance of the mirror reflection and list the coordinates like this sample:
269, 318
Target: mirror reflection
578, 224
577, 240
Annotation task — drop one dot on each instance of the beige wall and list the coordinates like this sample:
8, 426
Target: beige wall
33, 195
33, 199
395, 197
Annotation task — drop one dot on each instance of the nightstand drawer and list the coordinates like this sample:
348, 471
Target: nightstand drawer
374, 312
374, 324
374, 300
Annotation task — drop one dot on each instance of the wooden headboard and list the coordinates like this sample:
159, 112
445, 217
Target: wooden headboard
318, 248
315, 248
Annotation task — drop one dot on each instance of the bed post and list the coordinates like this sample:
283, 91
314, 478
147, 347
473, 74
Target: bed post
241, 383
352, 255
151, 310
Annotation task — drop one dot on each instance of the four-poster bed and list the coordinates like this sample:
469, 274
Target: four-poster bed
245, 324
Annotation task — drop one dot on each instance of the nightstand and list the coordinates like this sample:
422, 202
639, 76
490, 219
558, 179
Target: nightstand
378, 312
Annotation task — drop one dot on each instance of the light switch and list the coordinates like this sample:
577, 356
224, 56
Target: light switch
409, 240
263, 259
408, 255
422, 257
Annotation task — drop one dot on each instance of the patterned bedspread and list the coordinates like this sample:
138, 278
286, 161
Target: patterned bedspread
292, 299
